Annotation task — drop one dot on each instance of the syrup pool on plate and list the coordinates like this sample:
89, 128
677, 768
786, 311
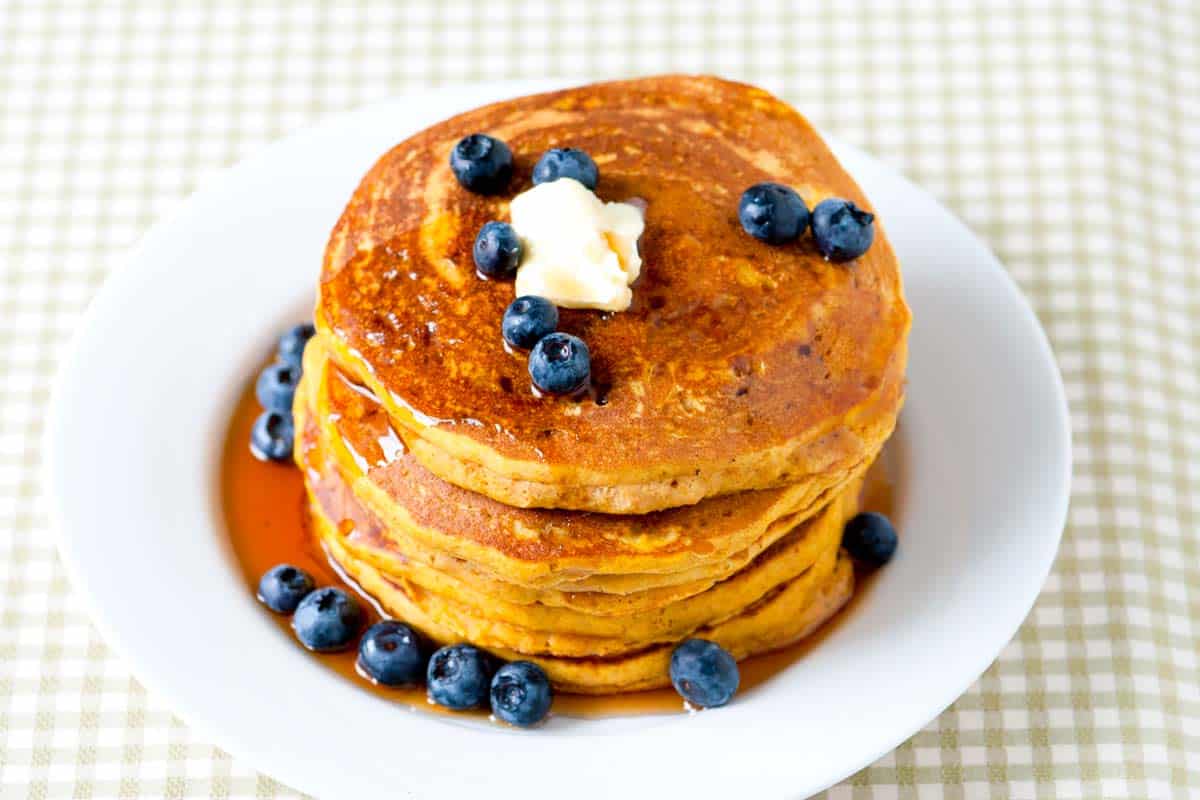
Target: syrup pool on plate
266, 519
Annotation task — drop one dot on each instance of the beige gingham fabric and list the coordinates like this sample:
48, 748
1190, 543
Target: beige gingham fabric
1067, 135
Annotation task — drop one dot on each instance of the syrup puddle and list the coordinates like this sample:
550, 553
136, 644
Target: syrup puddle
265, 512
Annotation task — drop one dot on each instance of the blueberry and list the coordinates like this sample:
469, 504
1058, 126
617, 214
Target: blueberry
704, 673
560, 364
283, 586
327, 620
458, 677
527, 319
497, 250
481, 163
272, 436
276, 386
566, 162
842, 230
390, 652
773, 213
871, 538
521, 693
291, 344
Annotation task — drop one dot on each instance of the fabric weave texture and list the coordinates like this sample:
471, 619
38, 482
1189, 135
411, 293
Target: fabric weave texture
1066, 134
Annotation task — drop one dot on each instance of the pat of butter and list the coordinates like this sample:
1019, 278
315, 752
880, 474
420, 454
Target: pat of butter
577, 250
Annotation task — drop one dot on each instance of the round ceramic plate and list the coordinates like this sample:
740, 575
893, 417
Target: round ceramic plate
140, 410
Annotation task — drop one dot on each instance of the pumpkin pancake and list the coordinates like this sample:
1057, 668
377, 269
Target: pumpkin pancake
786, 614
739, 366
435, 592
352, 458
485, 617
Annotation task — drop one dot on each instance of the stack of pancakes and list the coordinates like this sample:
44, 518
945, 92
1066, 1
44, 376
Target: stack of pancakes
699, 489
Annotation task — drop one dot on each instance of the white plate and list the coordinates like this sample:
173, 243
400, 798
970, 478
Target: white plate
141, 406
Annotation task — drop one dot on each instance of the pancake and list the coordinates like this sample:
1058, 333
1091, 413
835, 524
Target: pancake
534, 628
740, 366
452, 605
682, 551
785, 615
339, 424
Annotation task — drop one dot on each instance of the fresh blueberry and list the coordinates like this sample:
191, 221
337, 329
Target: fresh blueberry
527, 319
458, 677
497, 250
704, 673
283, 586
871, 538
482, 163
566, 162
277, 386
272, 436
521, 693
560, 364
772, 212
390, 652
842, 230
291, 344
327, 619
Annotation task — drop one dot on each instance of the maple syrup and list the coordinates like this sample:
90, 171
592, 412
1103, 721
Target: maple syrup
266, 519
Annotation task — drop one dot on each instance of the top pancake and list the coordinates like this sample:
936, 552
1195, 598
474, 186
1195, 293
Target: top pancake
740, 365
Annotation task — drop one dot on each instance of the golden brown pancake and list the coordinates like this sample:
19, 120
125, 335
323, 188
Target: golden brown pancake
487, 618
585, 650
783, 616
352, 456
739, 366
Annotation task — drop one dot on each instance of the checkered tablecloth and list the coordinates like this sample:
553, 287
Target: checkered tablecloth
1067, 135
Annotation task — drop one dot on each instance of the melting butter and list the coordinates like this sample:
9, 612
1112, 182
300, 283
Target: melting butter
577, 250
